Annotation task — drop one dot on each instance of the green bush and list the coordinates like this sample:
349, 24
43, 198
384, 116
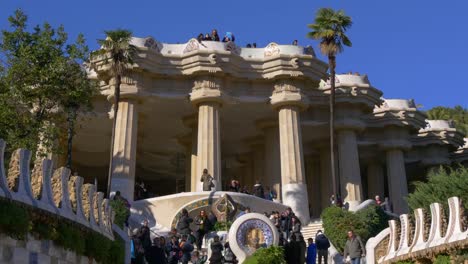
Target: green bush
441, 185
365, 223
17, 220
442, 259
405, 262
269, 255
222, 226
121, 212
14, 219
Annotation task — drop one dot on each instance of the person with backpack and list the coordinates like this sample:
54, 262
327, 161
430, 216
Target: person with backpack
322, 243
229, 257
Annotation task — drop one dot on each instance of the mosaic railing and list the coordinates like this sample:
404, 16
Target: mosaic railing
57, 192
427, 239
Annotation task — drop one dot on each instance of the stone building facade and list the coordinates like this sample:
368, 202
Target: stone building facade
257, 114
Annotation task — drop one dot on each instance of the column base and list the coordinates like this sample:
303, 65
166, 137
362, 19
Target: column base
295, 196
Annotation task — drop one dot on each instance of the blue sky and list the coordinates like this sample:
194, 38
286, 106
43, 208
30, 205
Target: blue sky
409, 49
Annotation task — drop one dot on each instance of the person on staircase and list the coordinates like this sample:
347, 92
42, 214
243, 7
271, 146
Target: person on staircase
216, 251
186, 249
322, 243
311, 252
183, 226
203, 227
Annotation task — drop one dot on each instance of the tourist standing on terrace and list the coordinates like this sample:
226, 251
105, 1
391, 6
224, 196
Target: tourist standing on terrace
258, 190
214, 35
207, 180
354, 248
216, 251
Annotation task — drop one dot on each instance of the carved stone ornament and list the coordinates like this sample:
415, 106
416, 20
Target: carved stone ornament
192, 45
210, 83
285, 87
271, 50
152, 44
231, 46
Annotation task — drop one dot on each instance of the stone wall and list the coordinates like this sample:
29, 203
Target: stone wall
34, 251
55, 192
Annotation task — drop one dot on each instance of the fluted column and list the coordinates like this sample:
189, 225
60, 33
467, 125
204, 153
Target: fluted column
288, 100
350, 173
375, 180
124, 150
397, 184
206, 96
273, 159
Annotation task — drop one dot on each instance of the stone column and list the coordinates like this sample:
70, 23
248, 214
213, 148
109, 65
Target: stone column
206, 95
375, 180
124, 151
397, 184
288, 100
350, 173
272, 158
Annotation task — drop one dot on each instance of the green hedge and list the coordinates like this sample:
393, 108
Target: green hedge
366, 223
121, 212
269, 255
18, 220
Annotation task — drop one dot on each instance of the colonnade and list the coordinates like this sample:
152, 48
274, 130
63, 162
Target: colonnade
280, 159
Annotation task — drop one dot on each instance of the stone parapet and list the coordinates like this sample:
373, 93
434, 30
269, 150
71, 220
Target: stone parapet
412, 241
397, 112
439, 132
58, 193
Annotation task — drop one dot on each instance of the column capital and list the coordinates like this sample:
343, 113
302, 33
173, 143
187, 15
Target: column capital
288, 93
207, 89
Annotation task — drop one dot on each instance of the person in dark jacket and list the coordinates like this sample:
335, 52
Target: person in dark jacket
285, 219
214, 35
138, 250
296, 226
293, 251
157, 254
229, 257
172, 250
354, 248
302, 248
145, 238
183, 226
322, 244
216, 251
203, 224
258, 190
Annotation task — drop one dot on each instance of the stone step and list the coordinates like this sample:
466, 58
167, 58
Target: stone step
310, 230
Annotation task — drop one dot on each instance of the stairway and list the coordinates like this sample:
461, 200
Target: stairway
310, 230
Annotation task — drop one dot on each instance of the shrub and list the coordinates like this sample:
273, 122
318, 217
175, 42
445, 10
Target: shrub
365, 223
269, 255
222, 226
441, 185
121, 212
442, 259
14, 220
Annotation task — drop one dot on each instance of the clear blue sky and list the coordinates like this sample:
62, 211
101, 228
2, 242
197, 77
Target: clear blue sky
409, 49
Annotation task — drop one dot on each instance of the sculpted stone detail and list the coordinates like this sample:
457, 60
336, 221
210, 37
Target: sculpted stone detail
285, 87
192, 45
272, 49
381, 248
87, 202
152, 44
57, 186
14, 171
37, 179
207, 83
231, 46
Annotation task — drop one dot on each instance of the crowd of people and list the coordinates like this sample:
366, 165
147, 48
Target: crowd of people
228, 36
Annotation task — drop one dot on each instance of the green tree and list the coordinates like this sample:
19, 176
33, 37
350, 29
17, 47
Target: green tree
119, 54
42, 83
441, 185
458, 114
330, 29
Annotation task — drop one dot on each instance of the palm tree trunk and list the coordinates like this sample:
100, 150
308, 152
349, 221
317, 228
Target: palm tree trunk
71, 118
118, 80
332, 65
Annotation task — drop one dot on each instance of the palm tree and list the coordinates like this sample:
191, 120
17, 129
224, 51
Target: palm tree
119, 53
329, 28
